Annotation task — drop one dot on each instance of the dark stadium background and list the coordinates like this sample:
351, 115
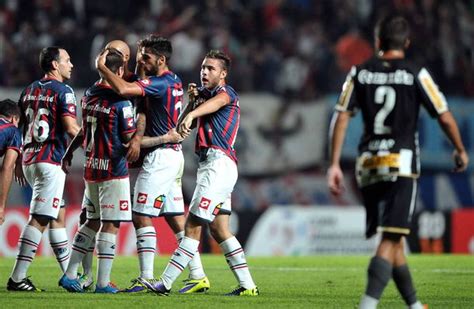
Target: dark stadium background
289, 61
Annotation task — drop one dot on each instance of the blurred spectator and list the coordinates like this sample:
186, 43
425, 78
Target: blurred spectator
277, 45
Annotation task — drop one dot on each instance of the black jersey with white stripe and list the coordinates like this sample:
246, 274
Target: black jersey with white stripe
389, 94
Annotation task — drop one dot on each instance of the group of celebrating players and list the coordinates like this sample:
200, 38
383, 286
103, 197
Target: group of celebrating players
387, 89
138, 118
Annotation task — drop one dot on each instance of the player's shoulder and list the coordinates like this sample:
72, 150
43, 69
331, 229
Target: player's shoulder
226, 89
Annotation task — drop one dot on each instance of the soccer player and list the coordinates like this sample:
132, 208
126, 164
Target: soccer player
108, 123
86, 278
10, 143
158, 187
49, 115
218, 122
389, 91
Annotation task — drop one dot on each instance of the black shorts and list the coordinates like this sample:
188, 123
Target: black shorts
390, 206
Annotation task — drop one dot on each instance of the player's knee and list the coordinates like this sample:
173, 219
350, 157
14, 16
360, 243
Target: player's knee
39, 221
93, 224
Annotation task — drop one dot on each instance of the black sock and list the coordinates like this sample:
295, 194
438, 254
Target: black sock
402, 277
379, 274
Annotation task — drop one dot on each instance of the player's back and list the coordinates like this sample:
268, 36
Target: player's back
107, 117
43, 103
219, 129
10, 136
388, 97
163, 102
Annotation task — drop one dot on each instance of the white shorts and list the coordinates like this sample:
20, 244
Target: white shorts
216, 178
47, 181
158, 190
108, 200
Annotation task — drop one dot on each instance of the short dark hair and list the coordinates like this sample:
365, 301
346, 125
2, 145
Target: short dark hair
158, 45
9, 108
393, 31
217, 54
114, 60
47, 56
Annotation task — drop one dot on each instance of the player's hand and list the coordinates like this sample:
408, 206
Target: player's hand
193, 92
335, 180
173, 137
185, 126
133, 152
19, 176
66, 163
461, 160
2, 214
101, 58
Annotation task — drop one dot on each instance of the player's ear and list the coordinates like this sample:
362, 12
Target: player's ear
55, 64
223, 74
120, 71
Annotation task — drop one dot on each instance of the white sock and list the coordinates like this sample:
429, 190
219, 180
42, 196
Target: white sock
105, 257
368, 302
59, 242
180, 259
28, 242
196, 271
87, 260
146, 248
235, 257
416, 305
80, 247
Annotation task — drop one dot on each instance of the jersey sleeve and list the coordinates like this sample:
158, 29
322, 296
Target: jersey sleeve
67, 103
223, 90
126, 119
431, 97
152, 86
15, 140
347, 101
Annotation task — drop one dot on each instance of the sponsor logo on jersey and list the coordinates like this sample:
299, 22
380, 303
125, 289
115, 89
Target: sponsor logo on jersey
40, 199
71, 108
70, 98
142, 197
204, 203
123, 205
216, 210
55, 202
130, 122
146, 82
127, 112
159, 201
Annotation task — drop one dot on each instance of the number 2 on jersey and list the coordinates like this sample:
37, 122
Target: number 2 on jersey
387, 96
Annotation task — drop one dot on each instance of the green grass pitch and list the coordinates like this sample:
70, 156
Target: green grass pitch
444, 281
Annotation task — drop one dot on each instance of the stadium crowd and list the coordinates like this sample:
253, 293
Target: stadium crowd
298, 48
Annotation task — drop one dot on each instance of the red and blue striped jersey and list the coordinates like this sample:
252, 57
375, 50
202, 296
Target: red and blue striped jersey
163, 103
10, 136
219, 129
43, 103
107, 118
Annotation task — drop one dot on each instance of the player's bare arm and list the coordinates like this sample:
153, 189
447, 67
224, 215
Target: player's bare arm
337, 133
19, 175
6, 177
119, 85
75, 143
210, 106
170, 137
70, 125
450, 128
134, 145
